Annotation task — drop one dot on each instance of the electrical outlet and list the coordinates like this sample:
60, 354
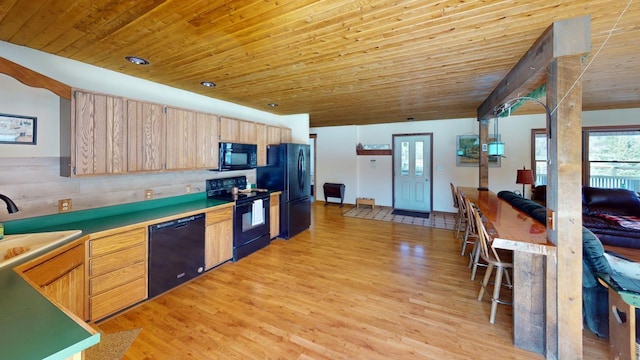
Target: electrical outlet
187, 188
64, 205
148, 194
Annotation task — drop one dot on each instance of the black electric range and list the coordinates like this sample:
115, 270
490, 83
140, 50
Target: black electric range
250, 214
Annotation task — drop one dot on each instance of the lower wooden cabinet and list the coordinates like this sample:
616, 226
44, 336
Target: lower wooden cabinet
117, 271
60, 275
218, 237
274, 214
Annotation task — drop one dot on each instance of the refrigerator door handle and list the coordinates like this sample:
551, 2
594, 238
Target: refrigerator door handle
301, 169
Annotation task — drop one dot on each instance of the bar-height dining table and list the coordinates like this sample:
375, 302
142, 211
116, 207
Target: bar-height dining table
533, 256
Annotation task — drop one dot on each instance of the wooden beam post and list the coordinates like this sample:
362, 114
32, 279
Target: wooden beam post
562, 38
564, 94
483, 171
558, 50
34, 79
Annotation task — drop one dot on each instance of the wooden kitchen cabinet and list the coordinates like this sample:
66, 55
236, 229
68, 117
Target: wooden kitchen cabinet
192, 140
145, 136
278, 135
117, 271
60, 275
285, 135
237, 131
218, 236
274, 214
98, 135
261, 135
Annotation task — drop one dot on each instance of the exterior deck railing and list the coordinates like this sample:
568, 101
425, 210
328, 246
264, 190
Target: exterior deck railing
623, 182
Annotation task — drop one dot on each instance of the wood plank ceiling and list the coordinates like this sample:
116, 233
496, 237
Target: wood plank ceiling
341, 61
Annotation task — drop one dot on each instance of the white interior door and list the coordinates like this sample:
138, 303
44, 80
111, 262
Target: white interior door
412, 172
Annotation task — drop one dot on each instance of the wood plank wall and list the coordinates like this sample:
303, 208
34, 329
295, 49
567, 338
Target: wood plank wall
35, 185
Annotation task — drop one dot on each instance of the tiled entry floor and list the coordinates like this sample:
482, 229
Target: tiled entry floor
442, 220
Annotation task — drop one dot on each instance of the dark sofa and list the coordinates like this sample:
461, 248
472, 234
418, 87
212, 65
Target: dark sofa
597, 203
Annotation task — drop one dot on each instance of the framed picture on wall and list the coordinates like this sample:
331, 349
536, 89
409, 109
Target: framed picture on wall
18, 129
468, 151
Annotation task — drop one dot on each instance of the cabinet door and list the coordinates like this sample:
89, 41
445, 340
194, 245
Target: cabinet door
206, 141
238, 131
274, 215
261, 135
273, 135
229, 130
61, 276
248, 133
181, 139
99, 135
145, 136
285, 135
218, 237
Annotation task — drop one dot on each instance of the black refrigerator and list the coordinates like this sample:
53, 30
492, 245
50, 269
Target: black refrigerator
287, 170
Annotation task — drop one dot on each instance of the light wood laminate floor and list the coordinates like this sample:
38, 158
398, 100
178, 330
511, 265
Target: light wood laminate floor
348, 288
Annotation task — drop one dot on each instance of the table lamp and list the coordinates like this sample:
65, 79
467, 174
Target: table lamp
524, 177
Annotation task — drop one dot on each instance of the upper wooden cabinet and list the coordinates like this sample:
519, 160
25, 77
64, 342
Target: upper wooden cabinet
237, 131
261, 135
107, 135
278, 135
285, 135
98, 135
192, 140
145, 136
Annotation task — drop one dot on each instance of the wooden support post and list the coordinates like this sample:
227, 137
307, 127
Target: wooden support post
564, 94
483, 172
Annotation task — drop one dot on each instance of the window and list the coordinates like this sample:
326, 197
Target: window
419, 158
404, 158
611, 157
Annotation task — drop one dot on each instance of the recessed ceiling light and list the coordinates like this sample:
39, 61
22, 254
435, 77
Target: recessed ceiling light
273, 104
207, 83
137, 60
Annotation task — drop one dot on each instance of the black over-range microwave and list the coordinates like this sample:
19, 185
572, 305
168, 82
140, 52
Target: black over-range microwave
234, 156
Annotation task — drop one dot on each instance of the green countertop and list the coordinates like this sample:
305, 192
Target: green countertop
31, 327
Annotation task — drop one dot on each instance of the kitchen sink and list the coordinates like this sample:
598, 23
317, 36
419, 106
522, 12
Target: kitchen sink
14, 248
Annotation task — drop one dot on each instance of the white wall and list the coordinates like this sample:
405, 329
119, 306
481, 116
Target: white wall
19, 99
337, 159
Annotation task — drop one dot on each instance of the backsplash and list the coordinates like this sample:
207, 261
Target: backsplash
35, 185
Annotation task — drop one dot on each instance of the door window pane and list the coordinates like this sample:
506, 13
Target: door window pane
540, 156
419, 158
404, 161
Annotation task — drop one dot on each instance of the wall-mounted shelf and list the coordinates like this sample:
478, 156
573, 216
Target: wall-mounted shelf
373, 152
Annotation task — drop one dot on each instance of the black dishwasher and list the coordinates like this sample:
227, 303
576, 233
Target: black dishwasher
176, 252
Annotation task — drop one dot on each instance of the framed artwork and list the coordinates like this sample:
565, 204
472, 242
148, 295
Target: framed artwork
18, 129
468, 151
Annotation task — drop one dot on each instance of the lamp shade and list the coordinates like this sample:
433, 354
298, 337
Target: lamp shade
525, 177
496, 148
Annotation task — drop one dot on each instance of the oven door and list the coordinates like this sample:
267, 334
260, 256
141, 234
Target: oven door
250, 221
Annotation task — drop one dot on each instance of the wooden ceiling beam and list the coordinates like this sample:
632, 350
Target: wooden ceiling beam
34, 79
559, 39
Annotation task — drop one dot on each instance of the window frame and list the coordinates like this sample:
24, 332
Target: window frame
586, 131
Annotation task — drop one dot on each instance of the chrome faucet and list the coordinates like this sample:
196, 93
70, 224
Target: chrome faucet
11, 206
